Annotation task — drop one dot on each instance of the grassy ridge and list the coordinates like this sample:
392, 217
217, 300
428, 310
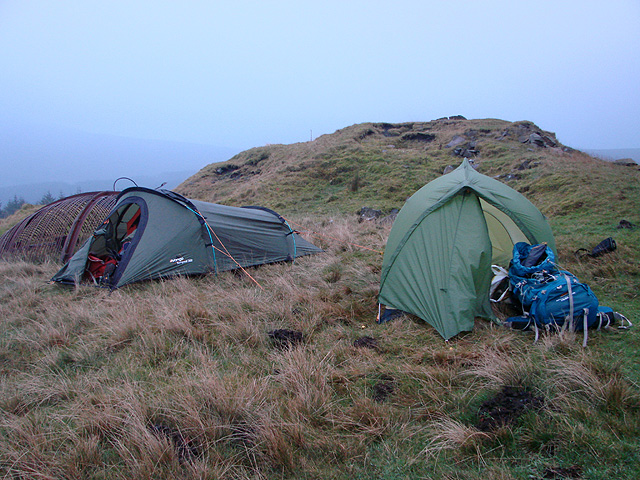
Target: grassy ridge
378, 165
180, 378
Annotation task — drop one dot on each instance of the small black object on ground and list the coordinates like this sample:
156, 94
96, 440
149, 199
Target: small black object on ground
625, 224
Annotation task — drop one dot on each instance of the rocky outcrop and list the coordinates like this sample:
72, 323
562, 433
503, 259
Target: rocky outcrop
529, 133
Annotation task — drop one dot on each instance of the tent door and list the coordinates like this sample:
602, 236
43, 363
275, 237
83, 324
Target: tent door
114, 243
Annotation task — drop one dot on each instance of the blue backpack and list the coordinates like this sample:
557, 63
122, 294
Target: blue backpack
550, 297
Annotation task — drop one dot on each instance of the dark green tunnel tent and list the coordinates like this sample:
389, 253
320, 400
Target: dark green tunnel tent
158, 233
437, 261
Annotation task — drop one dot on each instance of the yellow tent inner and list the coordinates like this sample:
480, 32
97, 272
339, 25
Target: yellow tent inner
503, 232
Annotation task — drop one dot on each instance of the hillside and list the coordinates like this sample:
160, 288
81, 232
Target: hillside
284, 373
379, 165
374, 164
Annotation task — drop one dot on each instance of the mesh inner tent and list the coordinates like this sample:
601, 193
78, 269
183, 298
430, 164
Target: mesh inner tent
55, 230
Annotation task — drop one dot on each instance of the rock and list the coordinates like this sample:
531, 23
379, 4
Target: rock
367, 213
226, 169
471, 134
527, 164
626, 162
538, 140
370, 214
455, 141
508, 176
390, 218
556, 151
470, 150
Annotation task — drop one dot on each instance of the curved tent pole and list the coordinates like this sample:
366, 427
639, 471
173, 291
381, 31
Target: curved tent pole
72, 237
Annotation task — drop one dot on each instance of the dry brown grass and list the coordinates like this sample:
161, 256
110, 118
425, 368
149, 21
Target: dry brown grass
450, 434
26, 210
180, 353
179, 378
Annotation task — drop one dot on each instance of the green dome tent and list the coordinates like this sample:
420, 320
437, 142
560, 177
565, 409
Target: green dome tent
158, 233
437, 262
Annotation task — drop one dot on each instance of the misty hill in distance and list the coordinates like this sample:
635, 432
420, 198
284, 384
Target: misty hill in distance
38, 159
33, 193
613, 154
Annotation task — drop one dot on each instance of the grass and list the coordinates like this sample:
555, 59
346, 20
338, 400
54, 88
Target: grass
24, 211
180, 378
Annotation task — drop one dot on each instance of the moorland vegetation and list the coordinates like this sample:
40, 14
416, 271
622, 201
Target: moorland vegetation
290, 377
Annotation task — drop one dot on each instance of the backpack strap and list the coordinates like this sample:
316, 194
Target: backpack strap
601, 316
622, 319
581, 252
570, 317
585, 327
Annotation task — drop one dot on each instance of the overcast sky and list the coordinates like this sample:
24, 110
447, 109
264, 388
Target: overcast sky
240, 74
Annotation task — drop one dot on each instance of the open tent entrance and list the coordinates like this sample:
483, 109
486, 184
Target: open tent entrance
153, 234
114, 242
503, 233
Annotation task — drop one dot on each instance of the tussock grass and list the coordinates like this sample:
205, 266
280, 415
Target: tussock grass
180, 379
449, 434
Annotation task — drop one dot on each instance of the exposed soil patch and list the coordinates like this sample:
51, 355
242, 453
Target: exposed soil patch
394, 129
283, 338
366, 342
625, 224
506, 407
419, 136
384, 388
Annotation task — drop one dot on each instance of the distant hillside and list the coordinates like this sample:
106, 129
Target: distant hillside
59, 159
381, 164
616, 153
33, 192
